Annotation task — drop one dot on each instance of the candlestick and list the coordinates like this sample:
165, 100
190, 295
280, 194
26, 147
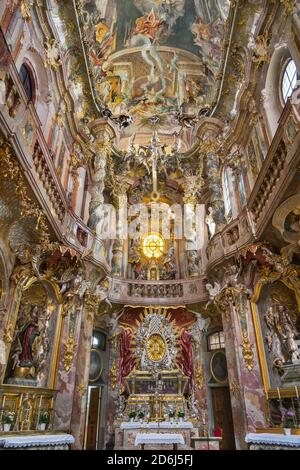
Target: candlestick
267, 396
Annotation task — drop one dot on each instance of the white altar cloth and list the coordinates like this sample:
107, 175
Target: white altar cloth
36, 440
155, 425
156, 438
273, 439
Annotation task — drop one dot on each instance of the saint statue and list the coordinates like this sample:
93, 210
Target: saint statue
26, 338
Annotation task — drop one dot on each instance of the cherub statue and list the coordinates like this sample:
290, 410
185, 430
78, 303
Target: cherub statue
209, 219
112, 322
213, 291
202, 323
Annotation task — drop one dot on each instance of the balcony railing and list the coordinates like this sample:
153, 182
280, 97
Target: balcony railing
278, 169
162, 292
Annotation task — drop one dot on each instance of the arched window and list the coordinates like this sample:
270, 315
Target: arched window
289, 80
226, 190
216, 341
27, 81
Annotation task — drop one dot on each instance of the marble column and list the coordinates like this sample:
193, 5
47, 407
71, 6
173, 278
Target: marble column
78, 419
246, 388
66, 374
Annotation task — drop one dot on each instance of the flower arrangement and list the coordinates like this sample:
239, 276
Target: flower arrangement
132, 415
8, 417
289, 419
141, 415
180, 414
171, 414
44, 417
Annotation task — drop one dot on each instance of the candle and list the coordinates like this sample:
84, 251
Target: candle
297, 395
278, 391
267, 397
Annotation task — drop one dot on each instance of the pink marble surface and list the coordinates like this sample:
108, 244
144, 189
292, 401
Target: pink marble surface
82, 378
245, 386
65, 383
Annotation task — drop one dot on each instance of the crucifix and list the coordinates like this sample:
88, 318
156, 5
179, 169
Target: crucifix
155, 148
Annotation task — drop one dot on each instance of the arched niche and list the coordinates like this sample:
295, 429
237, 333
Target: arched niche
275, 307
35, 324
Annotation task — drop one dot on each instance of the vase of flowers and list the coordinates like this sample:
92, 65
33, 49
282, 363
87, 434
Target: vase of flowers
172, 416
181, 415
141, 416
288, 422
132, 415
44, 419
8, 419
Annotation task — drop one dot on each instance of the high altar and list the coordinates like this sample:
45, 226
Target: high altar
158, 395
157, 380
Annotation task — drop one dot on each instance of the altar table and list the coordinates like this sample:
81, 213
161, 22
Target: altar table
268, 441
157, 438
37, 442
126, 433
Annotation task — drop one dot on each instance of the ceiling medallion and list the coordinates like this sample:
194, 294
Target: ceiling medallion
156, 348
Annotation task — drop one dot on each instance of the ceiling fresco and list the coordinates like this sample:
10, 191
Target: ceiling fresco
154, 57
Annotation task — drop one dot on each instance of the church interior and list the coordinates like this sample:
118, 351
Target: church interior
150, 224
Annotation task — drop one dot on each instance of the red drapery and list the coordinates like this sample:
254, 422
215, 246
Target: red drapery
127, 358
185, 359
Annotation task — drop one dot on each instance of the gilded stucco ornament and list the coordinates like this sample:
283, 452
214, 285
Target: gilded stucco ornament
25, 9
11, 171
235, 389
113, 375
247, 351
8, 334
288, 5
199, 376
81, 388
52, 52
69, 353
261, 49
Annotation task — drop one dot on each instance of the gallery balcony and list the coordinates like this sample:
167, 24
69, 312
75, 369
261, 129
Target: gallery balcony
278, 170
21, 127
